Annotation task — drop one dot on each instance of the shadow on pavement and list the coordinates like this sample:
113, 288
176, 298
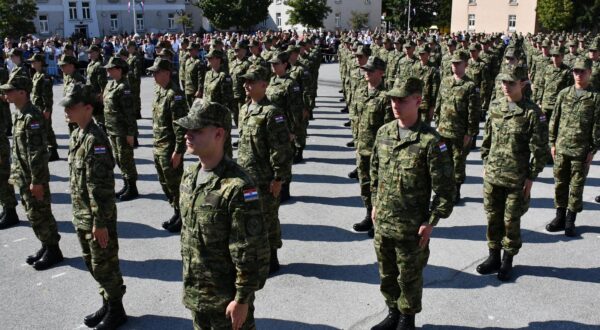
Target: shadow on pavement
157, 322
289, 325
319, 233
167, 270
345, 136
550, 325
589, 182
326, 127
548, 203
60, 198
321, 147
345, 273
477, 233
126, 230
351, 201
336, 161
588, 275
321, 178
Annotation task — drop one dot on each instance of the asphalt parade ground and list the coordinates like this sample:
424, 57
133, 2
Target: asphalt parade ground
329, 277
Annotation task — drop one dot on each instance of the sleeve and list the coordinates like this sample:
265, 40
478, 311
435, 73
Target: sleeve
538, 144
474, 111
438, 105
487, 138
126, 103
435, 86
100, 183
595, 143
47, 95
441, 172
555, 119
227, 92
538, 92
374, 168
201, 72
102, 78
37, 150
179, 109
280, 149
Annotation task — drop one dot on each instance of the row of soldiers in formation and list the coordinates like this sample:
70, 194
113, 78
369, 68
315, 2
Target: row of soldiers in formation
537, 107
270, 102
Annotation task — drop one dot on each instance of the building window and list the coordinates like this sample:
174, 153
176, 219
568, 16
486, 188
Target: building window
85, 9
114, 22
471, 23
187, 2
43, 27
367, 2
338, 1
278, 2
472, 2
72, 10
171, 21
512, 23
338, 20
513, 2
278, 19
139, 21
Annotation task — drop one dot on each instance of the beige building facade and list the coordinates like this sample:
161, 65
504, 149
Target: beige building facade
506, 16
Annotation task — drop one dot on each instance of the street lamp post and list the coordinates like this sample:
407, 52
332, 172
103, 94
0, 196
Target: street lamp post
408, 28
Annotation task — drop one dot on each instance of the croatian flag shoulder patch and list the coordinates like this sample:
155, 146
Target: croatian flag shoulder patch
34, 125
543, 118
279, 119
250, 194
99, 150
178, 97
442, 146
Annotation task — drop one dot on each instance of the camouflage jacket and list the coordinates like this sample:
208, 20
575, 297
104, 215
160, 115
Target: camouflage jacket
96, 76
595, 79
514, 146
30, 148
403, 174
264, 148
540, 62
285, 93
301, 75
479, 72
446, 66
405, 67
136, 71
169, 105
267, 54
358, 84
20, 70
224, 245
373, 109
119, 114
70, 80
4, 120
391, 67
431, 83
194, 76
575, 123
550, 83
183, 56
218, 87
92, 180
239, 68
41, 93
457, 108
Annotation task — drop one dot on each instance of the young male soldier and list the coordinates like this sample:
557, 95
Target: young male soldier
194, 75
96, 78
514, 151
94, 211
224, 243
409, 161
574, 139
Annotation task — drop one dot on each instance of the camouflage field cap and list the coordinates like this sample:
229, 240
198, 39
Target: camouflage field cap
69, 47
546, 43
67, 59
362, 50
374, 63
254, 43
132, 43
116, 62
279, 57
94, 48
195, 45
475, 47
513, 73
424, 48
37, 58
18, 82
215, 53
409, 44
216, 42
459, 56
241, 45
123, 52
582, 63
78, 93
166, 52
267, 39
510, 53
404, 88
204, 114
557, 50
256, 72
293, 49
451, 42
161, 64
16, 52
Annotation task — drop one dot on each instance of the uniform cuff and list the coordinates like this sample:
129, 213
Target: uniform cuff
242, 297
433, 219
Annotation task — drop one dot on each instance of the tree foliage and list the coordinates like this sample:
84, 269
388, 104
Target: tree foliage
422, 12
358, 20
244, 14
586, 15
309, 13
16, 17
555, 15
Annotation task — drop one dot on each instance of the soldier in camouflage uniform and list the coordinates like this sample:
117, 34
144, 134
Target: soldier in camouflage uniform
19, 69
574, 138
457, 115
446, 66
94, 211
394, 57
169, 143
254, 56
9, 216
358, 85
406, 64
301, 76
265, 151
121, 125
539, 64
42, 96
572, 55
96, 78
429, 75
71, 76
594, 55
555, 78
224, 243
194, 70
29, 171
268, 52
409, 161
238, 67
514, 152
479, 71
134, 76
183, 55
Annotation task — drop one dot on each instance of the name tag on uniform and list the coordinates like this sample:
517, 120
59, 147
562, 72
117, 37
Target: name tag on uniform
126, 92
279, 119
178, 97
228, 79
543, 118
34, 125
250, 195
99, 150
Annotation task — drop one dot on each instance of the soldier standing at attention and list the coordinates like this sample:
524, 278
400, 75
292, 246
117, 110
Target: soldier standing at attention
71, 76
121, 125
429, 75
134, 76
457, 115
255, 58
96, 77
594, 55
194, 75
301, 75
183, 56
42, 96
513, 150
29, 171
265, 151
19, 69
94, 212
224, 243
238, 67
555, 77
409, 161
574, 139
169, 143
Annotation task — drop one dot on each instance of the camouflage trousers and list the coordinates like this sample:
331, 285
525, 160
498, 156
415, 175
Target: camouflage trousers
103, 264
401, 264
123, 153
569, 179
217, 321
270, 206
300, 130
51, 136
363, 165
169, 177
40, 215
459, 157
137, 101
7, 191
504, 208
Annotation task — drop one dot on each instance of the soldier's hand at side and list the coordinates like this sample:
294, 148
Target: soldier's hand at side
425, 233
100, 236
130, 140
37, 190
373, 213
292, 137
198, 95
467, 141
553, 152
47, 114
238, 314
175, 160
589, 159
275, 188
527, 188
305, 114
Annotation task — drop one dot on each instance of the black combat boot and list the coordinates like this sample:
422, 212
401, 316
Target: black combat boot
342, 99
390, 322
506, 268
53, 154
285, 193
120, 192
115, 316
10, 218
345, 110
235, 144
457, 197
175, 227
348, 124
350, 144
570, 224
366, 224
274, 263
371, 232
172, 220
353, 174
558, 223
406, 322
298, 157
597, 199
36, 256
136, 142
491, 264
130, 193
93, 319
51, 257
